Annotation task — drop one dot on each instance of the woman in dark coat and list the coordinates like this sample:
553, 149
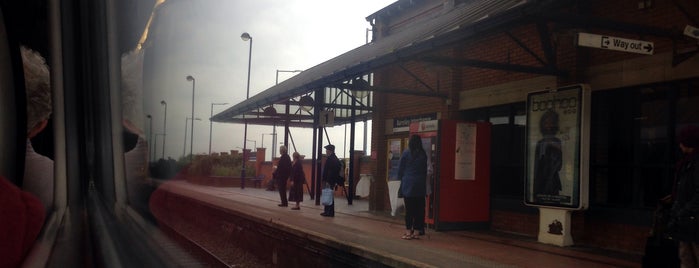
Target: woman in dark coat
686, 198
412, 172
298, 178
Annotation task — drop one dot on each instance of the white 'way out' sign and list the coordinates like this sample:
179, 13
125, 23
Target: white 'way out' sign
615, 43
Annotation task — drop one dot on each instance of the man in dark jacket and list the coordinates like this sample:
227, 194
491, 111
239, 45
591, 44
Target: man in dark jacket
685, 210
282, 174
331, 171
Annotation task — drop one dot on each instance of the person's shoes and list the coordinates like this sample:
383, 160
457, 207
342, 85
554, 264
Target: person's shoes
421, 232
282, 205
295, 208
327, 215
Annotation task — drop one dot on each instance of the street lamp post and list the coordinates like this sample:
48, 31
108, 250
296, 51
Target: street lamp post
162, 102
155, 142
246, 37
150, 137
184, 147
211, 123
191, 138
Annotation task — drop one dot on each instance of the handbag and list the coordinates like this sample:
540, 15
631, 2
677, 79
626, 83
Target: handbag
326, 197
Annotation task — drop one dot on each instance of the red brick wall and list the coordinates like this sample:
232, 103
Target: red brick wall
585, 231
517, 223
267, 168
613, 236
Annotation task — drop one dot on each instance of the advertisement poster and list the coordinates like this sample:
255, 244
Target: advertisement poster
553, 147
394, 153
465, 158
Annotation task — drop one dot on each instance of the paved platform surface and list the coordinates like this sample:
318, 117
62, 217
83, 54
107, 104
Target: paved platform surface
379, 234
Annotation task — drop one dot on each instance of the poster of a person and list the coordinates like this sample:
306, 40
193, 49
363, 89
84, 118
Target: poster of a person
553, 134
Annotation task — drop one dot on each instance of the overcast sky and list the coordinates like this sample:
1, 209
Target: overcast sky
202, 39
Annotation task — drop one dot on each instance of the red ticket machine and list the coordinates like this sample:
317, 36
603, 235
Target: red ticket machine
459, 153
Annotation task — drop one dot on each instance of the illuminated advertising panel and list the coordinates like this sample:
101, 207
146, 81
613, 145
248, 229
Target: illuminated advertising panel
556, 150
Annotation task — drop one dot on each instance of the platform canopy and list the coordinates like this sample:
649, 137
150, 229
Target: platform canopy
346, 78
345, 81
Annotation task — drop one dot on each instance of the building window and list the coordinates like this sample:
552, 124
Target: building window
632, 144
506, 149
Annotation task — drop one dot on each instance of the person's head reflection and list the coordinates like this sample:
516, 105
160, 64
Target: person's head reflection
38, 172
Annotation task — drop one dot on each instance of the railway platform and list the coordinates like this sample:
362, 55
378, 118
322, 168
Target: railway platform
377, 236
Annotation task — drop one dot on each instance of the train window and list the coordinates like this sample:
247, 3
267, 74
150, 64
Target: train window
60, 156
82, 96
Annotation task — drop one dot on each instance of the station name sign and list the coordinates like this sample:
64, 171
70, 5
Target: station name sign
402, 124
615, 43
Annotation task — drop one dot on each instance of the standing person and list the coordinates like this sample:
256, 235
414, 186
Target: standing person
282, 174
686, 198
298, 178
412, 172
331, 171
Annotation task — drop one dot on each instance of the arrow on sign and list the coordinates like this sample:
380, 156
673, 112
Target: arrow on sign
649, 48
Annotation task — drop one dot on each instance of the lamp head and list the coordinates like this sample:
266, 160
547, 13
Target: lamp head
306, 103
246, 36
162, 102
270, 111
190, 78
148, 116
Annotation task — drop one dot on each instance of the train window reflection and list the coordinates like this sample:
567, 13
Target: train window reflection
136, 147
38, 171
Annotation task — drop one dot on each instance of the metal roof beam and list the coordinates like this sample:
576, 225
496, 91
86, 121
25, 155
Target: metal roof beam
495, 66
584, 21
393, 90
411, 92
546, 44
525, 47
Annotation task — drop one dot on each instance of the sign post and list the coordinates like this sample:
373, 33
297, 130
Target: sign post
327, 118
615, 43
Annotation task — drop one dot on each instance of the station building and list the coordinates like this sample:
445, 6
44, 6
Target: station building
622, 77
